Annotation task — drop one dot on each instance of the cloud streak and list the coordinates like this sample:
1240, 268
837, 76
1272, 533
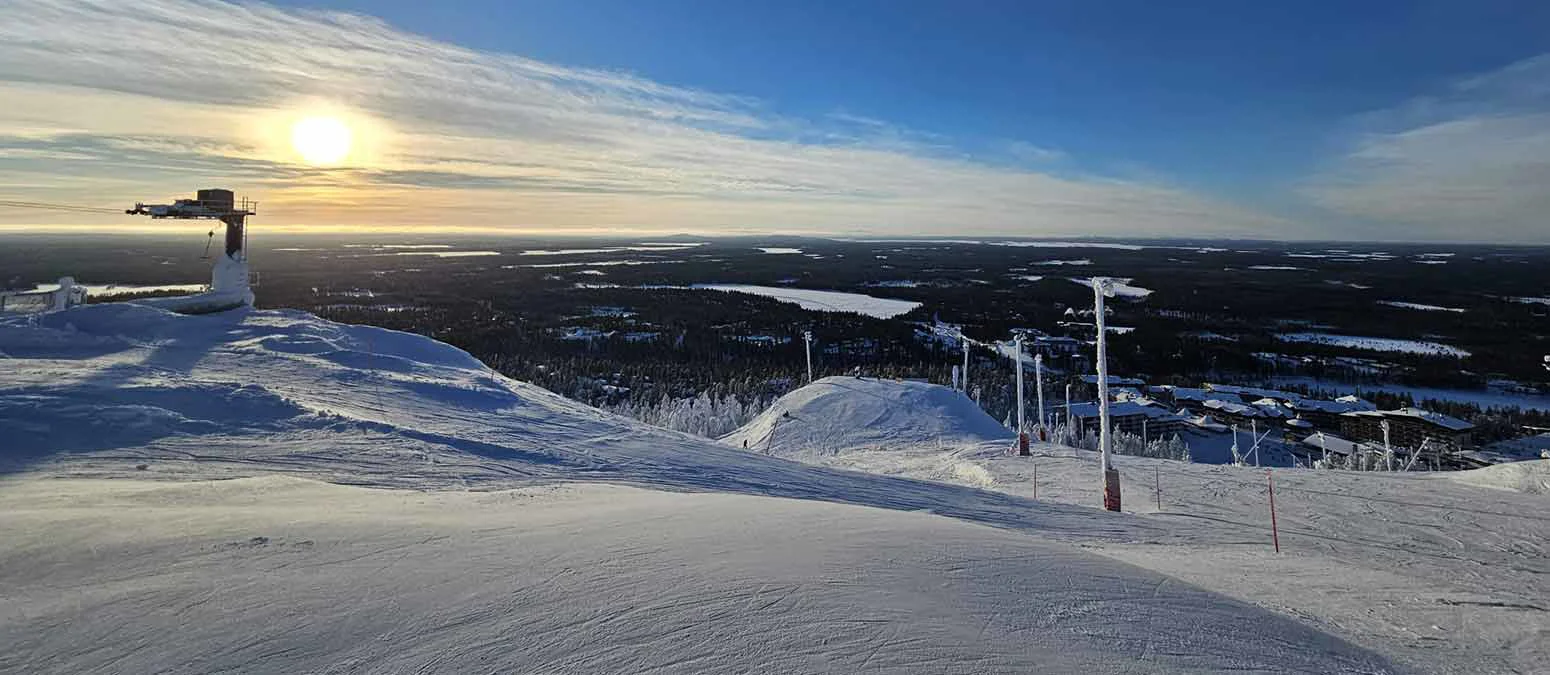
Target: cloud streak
202, 92
1468, 164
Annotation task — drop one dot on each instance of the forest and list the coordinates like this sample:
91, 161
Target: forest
615, 323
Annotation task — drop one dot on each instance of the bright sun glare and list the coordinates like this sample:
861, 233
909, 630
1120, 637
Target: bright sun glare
321, 140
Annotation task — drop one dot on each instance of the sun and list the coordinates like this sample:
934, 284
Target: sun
322, 141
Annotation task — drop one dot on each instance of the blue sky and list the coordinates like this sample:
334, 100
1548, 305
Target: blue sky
1370, 120
1262, 85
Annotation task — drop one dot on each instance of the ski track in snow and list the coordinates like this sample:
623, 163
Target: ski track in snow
519, 535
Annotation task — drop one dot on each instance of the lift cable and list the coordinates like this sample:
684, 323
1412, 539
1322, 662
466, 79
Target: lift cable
75, 208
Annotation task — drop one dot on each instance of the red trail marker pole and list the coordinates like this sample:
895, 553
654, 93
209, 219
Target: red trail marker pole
1275, 536
1035, 480
1157, 485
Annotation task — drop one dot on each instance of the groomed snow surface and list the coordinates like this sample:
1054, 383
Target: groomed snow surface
264, 491
1446, 572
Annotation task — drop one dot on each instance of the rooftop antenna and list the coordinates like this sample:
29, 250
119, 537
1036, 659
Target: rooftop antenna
229, 275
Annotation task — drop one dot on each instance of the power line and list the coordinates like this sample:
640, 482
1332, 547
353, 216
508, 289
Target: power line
74, 208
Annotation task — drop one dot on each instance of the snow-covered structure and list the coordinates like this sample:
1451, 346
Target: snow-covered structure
67, 294
838, 413
229, 274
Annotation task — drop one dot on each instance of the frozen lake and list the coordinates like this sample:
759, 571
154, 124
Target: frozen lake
450, 254
1375, 344
100, 290
824, 301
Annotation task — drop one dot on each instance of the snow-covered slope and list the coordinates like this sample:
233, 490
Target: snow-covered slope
1532, 477
1438, 570
122, 554
837, 413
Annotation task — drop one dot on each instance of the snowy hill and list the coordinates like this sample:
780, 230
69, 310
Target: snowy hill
1456, 561
837, 413
193, 494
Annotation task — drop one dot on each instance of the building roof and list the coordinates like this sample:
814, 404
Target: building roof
1433, 418
1344, 404
1253, 392
1335, 444
1272, 407
1232, 408
1086, 411
1115, 380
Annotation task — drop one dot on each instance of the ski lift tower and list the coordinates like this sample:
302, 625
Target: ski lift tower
229, 274
1104, 288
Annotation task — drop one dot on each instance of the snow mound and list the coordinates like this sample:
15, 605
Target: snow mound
1532, 477
838, 413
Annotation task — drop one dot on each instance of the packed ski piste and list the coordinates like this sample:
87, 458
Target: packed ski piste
262, 490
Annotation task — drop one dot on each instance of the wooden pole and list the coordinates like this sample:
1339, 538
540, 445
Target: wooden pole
1157, 484
1275, 536
1035, 480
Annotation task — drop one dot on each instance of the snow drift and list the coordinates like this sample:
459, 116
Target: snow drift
837, 413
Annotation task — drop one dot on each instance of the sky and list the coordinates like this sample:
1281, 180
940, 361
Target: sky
1378, 121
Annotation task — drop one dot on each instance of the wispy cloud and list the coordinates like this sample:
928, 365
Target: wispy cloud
1469, 163
200, 91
